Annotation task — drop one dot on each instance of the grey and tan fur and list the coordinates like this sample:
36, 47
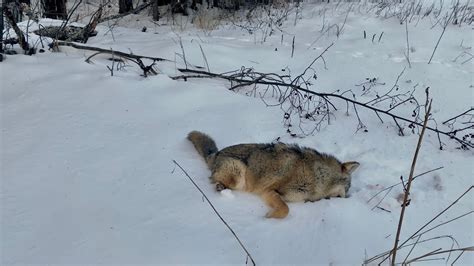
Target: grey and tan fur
278, 173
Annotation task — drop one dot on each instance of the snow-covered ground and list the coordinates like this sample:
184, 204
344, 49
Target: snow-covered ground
86, 158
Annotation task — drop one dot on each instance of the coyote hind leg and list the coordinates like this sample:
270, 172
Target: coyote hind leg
229, 174
223, 181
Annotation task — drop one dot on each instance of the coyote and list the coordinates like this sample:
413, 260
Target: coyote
278, 172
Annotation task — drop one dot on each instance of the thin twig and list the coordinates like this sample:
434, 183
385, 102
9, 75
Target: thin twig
439, 251
400, 129
408, 44
75, 5
439, 214
411, 250
399, 183
381, 255
471, 109
293, 47
380, 201
460, 254
442, 33
217, 213
205, 58
384, 254
184, 54
438, 225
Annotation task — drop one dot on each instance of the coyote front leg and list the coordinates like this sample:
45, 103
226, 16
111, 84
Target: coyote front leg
279, 209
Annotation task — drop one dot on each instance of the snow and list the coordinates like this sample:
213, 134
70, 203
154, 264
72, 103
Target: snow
86, 158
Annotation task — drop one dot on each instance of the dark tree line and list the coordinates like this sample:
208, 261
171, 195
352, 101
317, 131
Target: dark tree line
182, 6
55, 9
125, 6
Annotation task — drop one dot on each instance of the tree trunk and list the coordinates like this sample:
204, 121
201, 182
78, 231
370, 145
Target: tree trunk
155, 10
1, 31
125, 6
61, 8
55, 9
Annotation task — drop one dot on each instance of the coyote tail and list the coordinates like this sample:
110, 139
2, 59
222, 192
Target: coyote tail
204, 145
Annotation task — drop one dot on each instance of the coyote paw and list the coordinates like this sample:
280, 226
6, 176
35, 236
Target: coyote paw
278, 214
220, 187
269, 214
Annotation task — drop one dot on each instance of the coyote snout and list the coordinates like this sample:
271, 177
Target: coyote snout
278, 173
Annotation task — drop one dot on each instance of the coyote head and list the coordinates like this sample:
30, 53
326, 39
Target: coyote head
339, 184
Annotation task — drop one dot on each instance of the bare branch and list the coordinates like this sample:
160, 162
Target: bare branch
250, 77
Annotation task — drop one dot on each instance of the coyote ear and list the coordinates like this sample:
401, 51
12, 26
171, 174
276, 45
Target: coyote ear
349, 167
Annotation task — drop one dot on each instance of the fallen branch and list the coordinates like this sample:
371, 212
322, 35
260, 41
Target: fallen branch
71, 33
137, 59
246, 77
217, 213
105, 51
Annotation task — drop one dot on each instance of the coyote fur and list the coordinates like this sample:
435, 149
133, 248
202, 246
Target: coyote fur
278, 173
